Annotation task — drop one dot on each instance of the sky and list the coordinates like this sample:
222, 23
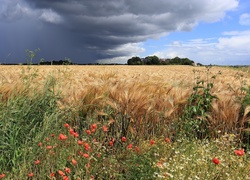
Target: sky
112, 31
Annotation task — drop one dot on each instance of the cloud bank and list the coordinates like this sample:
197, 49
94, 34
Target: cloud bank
96, 31
231, 48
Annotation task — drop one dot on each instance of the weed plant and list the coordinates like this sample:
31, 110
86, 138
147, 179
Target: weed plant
194, 123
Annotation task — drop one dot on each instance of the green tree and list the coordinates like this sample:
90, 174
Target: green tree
134, 61
152, 60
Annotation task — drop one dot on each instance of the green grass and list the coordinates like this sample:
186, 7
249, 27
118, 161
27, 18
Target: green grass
40, 140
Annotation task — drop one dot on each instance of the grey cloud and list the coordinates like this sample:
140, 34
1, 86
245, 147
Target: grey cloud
88, 30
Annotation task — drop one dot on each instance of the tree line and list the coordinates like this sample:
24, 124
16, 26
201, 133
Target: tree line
154, 60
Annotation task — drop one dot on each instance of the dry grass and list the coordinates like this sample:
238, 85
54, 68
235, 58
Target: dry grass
145, 95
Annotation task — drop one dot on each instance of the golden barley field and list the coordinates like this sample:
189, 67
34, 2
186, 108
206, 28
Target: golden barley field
151, 94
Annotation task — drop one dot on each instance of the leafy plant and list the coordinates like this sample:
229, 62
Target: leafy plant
194, 122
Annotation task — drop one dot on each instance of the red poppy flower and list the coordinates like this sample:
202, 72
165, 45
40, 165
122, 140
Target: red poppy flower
67, 170
104, 128
62, 137
65, 178
124, 139
88, 165
240, 152
88, 132
86, 155
52, 174
40, 144
71, 131
74, 162
167, 140
111, 143
31, 174
49, 147
2, 176
216, 161
137, 149
130, 146
66, 125
79, 142
61, 173
37, 162
76, 135
80, 152
86, 146
52, 135
93, 126
152, 142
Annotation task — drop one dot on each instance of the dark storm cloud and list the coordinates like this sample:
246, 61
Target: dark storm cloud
88, 30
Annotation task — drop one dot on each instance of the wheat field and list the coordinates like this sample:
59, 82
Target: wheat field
151, 95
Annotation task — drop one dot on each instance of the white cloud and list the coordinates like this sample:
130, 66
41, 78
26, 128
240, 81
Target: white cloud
245, 19
129, 49
214, 10
234, 48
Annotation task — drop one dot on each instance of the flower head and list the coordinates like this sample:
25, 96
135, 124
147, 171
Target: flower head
67, 170
37, 162
240, 152
167, 140
93, 126
71, 131
74, 162
111, 143
137, 149
79, 142
216, 161
65, 178
2, 176
66, 125
62, 137
104, 128
49, 147
88, 132
86, 146
152, 142
130, 146
30, 174
123, 139
76, 135
86, 155
61, 173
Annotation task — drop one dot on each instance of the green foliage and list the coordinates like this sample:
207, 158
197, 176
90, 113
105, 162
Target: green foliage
179, 61
23, 116
194, 122
134, 61
152, 60
242, 96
